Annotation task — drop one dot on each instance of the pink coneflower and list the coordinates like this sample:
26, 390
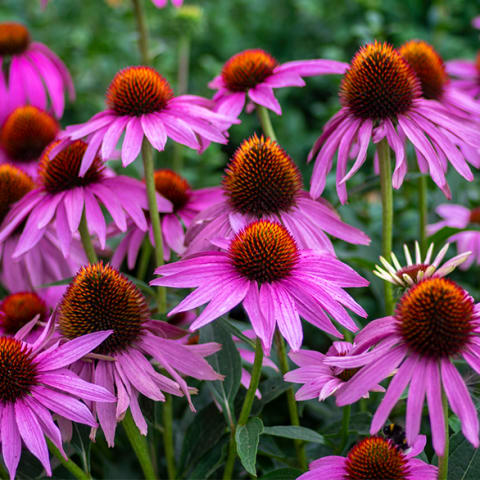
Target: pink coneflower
466, 75
63, 196
262, 181
141, 103
100, 297
416, 271
373, 458
276, 282
321, 380
45, 262
382, 99
24, 135
457, 216
255, 73
430, 70
435, 322
34, 70
186, 204
35, 384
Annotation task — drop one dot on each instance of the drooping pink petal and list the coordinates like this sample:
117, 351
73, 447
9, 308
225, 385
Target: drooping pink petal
132, 142
416, 397
435, 408
263, 95
154, 131
10, 437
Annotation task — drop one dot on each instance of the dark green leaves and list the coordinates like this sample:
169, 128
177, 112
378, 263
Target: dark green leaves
247, 437
464, 460
295, 433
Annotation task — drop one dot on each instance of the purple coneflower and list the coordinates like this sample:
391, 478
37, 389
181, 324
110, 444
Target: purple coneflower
141, 103
35, 384
373, 458
458, 216
63, 196
466, 75
45, 262
100, 297
416, 271
262, 181
33, 69
382, 99
24, 135
435, 322
255, 73
186, 204
321, 380
276, 282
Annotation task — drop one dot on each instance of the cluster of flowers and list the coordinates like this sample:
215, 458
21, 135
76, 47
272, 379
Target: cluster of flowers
259, 240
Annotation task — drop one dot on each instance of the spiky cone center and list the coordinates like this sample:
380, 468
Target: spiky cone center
14, 185
135, 91
247, 69
261, 178
434, 317
347, 374
475, 215
428, 65
379, 83
17, 371
61, 172
412, 271
173, 187
19, 308
26, 132
14, 38
264, 251
100, 298
376, 458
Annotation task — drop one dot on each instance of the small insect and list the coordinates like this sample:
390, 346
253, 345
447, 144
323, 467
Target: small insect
396, 434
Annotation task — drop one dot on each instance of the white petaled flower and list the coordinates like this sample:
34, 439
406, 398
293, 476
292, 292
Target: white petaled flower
416, 271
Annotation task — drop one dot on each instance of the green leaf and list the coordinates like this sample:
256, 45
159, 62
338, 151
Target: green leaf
63, 281
282, 474
440, 237
270, 390
247, 437
464, 460
142, 286
211, 461
296, 433
236, 331
227, 362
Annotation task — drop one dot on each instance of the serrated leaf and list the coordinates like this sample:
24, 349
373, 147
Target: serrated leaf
247, 437
464, 460
227, 362
283, 474
295, 433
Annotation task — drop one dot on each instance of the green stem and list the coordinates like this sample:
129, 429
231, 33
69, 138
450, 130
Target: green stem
265, 121
70, 465
246, 408
145, 255
147, 156
87, 240
292, 404
383, 151
422, 208
345, 426
443, 460
142, 31
168, 436
139, 445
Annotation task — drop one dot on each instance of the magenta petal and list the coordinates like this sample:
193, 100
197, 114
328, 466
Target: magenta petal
173, 233
95, 219
106, 412
263, 95
132, 143
155, 131
435, 408
32, 434
232, 104
310, 68
112, 135
416, 397
74, 202
112, 204
10, 437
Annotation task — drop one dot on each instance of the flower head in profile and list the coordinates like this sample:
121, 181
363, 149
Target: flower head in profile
261, 181
381, 98
141, 103
24, 135
100, 297
186, 202
374, 458
415, 271
466, 75
435, 323
319, 379
276, 282
35, 384
458, 216
44, 263
63, 196
253, 74
34, 70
